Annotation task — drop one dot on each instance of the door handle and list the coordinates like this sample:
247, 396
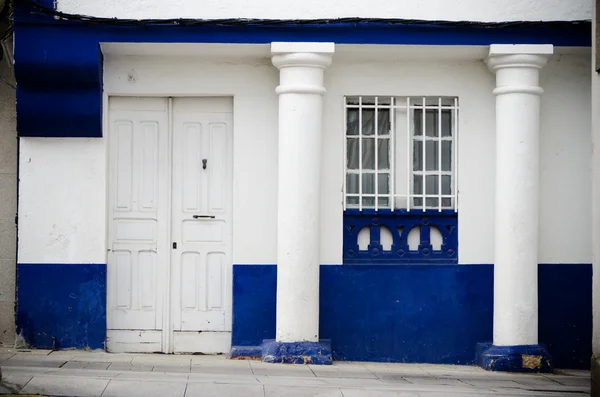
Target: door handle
203, 216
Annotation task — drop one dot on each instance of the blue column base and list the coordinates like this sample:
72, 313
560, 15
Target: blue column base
297, 352
522, 358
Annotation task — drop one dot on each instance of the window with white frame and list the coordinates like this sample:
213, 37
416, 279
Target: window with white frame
401, 153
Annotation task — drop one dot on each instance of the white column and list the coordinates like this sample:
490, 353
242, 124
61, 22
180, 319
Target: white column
517, 192
300, 93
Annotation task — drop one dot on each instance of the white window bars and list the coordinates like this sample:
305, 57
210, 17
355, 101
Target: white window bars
401, 153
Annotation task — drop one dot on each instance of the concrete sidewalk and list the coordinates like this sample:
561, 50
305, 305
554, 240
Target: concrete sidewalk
95, 374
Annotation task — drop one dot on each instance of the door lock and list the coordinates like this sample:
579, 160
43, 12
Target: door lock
204, 161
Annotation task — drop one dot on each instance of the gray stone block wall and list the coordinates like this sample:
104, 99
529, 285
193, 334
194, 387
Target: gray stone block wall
8, 204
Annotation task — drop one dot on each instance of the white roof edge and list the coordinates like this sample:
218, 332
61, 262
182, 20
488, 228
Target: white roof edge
280, 47
533, 49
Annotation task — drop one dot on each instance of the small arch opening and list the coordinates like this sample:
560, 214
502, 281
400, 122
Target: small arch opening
386, 239
364, 238
414, 238
435, 238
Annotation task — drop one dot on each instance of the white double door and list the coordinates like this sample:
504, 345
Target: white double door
170, 225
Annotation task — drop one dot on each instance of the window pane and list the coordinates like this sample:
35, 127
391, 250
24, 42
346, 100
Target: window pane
417, 122
446, 123
431, 123
447, 101
447, 202
418, 156
446, 155
368, 183
384, 202
417, 184
446, 184
368, 122
368, 100
383, 121
431, 155
368, 201
383, 159
352, 122
383, 183
352, 201
368, 154
352, 183
352, 154
432, 184
431, 202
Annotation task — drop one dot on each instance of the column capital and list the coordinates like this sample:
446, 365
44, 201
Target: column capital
517, 67
301, 66
518, 56
302, 54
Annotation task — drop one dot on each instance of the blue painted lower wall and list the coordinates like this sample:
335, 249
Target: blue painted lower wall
62, 305
403, 313
419, 313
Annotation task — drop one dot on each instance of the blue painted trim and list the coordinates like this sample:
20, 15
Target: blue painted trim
318, 353
399, 224
524, 358
62, 306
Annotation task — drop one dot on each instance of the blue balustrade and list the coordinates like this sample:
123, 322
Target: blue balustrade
400, 223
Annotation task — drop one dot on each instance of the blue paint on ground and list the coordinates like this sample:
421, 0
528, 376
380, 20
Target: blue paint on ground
418, 313
524, 358
62, 306
318, 353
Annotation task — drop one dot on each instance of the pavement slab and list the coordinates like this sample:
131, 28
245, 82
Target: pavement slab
65, 386
133, 388
99, 374
222, 390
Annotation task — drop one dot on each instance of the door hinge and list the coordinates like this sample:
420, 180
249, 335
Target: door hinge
174, 246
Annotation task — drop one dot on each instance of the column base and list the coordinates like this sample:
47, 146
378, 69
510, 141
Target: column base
297, 352
520, 358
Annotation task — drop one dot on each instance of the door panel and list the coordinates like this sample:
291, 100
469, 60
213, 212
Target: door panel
202, 209
170, 224
138, 194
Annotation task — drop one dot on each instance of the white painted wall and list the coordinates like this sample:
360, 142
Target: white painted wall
8, 205
62, 195
565, 160
62, 201
452, 10
252, 83
476, 140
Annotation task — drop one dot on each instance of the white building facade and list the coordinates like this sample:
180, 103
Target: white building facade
306, 182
